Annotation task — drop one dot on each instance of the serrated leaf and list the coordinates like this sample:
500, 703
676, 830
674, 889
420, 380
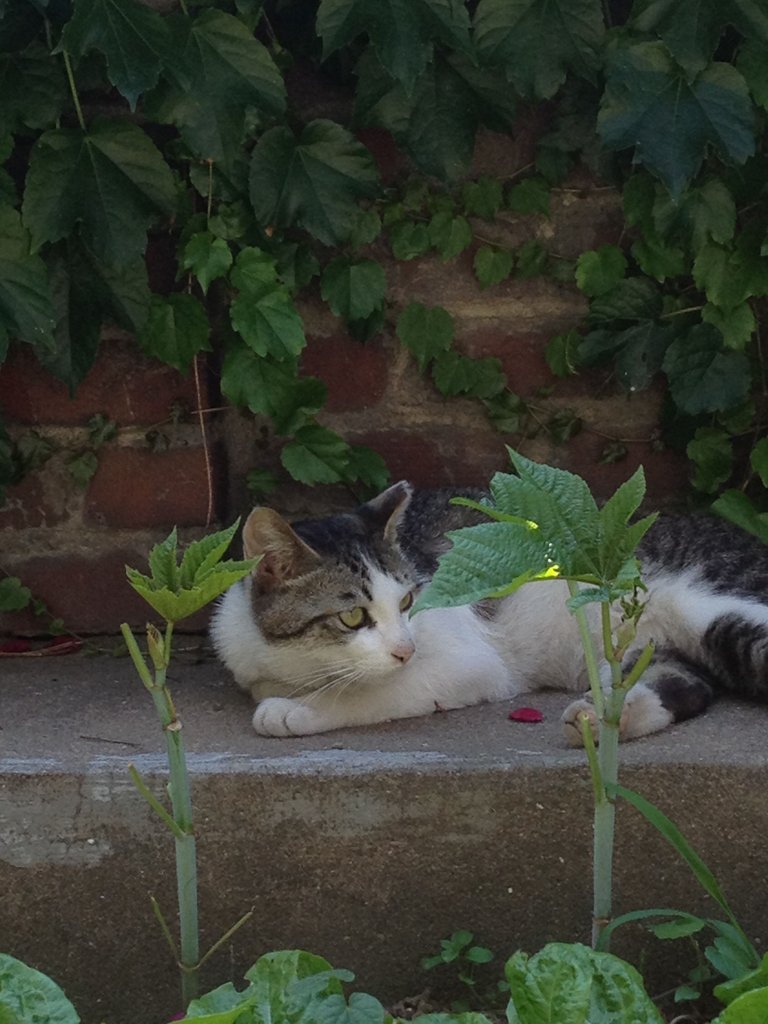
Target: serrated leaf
600, 270
366, 229
207, 257
532, 259
313, 182
134, 39
316, 456
220, 74
13, 595
633, 299
408, 240
752, 63
80, 313
492, 265
711, 452
368, 467
176, 330
703, 214
658, 260
703, 377
737, 325
758, 459
82, 468
639, 351
729, 276
33, 89
111, 180
26, 307
163, 563
28, 996
482, 198
450, 235
561, 353
268, 322
174, 607
692, 30
253, 269
272, 388
201, 557
456, 374
425, 331
650, 105
400, 30
530, 196
538, 43
353, 288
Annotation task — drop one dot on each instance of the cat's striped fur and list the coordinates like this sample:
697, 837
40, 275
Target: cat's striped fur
322, 638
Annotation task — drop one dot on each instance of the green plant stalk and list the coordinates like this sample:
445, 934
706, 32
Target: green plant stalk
181, 802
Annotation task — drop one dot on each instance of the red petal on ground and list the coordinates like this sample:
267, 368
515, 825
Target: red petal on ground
15, 646
526, 715
62, 645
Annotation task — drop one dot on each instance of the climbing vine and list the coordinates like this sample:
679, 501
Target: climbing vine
122, 127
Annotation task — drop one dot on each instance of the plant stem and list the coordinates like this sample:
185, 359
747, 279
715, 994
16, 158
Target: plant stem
593, 672
73, 89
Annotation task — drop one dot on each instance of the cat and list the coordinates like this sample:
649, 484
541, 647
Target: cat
320, 633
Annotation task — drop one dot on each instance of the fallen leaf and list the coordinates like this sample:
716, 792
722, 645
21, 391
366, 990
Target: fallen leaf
526, 715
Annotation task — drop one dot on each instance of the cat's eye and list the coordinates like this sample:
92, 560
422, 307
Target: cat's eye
354, 618
406, 602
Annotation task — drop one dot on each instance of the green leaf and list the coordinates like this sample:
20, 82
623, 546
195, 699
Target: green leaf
702, 376
253, 269
738, 508
539, 42
633, 299
712, 454
26, 308
272, 388
401, 31
425, 331
28, 996
221, 74
261, 482
353, 288
751, 1008
651, 106
82, 468
600, 270
268, 322
316, 456
13, 598
530, 196
207, 257
692, 30
561, 353
101, 430
111, 180
728, 991
639, 351
450, 235
176, 330
758, 459
532, 259
492, 265
33, 89
737, 325
134, 39
408, 240
368, 467
701, 215
482, 198
80, 312
200, 558
455, 374
657, 259
572, 984
752, 62
313, 182
730, 276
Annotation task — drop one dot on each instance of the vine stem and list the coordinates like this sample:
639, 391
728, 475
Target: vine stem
73, 89
204, 434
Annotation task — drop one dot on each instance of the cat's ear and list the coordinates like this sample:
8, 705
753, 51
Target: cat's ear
383, 512
283, 553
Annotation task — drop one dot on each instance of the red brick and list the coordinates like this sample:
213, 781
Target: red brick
409, 456
123, 385
390, 160
26, 505
90, 594
355, 373
135, 488
521, 355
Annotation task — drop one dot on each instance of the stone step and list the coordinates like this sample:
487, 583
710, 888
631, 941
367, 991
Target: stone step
366, 845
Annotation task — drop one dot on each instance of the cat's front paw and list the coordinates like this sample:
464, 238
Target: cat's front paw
571, 720
281, 716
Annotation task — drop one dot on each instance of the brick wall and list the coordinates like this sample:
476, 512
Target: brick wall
69, 545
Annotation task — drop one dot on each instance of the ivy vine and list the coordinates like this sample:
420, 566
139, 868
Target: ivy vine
120, 125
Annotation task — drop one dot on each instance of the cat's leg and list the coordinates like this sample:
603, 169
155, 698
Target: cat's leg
670, 690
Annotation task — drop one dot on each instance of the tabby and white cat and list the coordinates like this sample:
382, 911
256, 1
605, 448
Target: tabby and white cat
321, 636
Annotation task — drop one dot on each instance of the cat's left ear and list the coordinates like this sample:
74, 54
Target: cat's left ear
383, 513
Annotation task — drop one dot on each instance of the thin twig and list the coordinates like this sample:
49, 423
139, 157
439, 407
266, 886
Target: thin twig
206, 452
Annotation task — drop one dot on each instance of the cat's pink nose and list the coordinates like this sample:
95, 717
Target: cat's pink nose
403, 651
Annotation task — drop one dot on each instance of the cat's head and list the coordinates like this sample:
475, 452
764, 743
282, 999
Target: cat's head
336, 589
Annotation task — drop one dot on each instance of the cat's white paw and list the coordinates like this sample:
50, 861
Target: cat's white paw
572, 724
281, 716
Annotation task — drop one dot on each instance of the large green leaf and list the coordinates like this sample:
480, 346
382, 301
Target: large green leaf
639, 351
111, 180
220, 74
692, 29
313, 182
738, 508
455, 374
401, 31
272, 388
176, 330
538, 42
207, 257
33, 89
568, 983
134, 39
750, 1008
704, 377
711, 452
79, 316
353, 288
28, 996
316, 456
26, 308
268, 321
425, 331
600, 270
651, 105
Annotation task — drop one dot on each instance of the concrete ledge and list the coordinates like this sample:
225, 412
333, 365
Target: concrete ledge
365, 845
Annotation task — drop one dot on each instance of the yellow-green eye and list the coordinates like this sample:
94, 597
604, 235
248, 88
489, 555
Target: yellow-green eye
353, 619
406, 602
